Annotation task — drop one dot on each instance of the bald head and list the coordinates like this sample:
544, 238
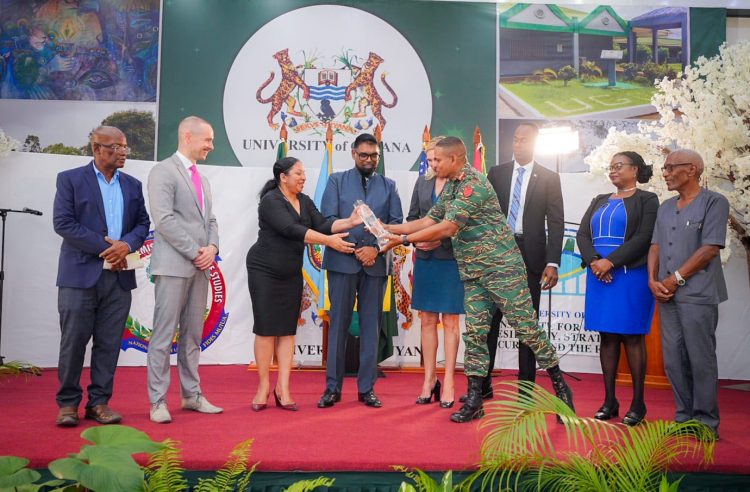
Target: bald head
191, 124
195, 138
687, 156
104, 131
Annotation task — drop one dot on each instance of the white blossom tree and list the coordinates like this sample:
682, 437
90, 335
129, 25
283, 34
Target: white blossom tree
7, 144
706, 109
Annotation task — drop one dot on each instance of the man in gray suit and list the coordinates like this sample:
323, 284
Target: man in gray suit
186, 243
685, 276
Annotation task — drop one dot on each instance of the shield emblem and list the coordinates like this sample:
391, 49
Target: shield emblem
327, 89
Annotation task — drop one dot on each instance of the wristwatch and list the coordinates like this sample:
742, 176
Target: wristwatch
404, 241
680, 279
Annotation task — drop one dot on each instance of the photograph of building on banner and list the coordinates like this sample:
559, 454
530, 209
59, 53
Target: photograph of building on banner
587, 61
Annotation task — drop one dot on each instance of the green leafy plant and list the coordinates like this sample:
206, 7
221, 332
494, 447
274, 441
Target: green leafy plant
542, 76
423, 482
629, 70
19, 368
164, 469
566, 74
308, 485
107, 464
590, 71
234, 475
518, 452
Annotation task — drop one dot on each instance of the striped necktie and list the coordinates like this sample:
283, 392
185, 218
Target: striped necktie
515, 202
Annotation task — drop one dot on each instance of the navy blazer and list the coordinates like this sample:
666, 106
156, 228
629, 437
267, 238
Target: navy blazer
345, 188
421, 203
78, 216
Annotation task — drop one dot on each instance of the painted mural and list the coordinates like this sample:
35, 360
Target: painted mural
89, 50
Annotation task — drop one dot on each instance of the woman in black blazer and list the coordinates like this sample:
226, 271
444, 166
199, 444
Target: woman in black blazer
438, 291
287, 220
614, 239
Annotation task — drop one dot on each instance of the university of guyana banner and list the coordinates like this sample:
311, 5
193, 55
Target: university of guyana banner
249, 67
309, 67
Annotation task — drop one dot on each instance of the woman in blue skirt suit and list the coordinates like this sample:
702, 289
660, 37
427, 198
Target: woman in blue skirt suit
437, 290
614, 239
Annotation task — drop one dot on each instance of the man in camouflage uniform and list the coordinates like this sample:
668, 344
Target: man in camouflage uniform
490, 265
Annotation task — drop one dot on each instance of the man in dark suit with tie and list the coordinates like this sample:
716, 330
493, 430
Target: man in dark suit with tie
361, 275
529, 195
100, 214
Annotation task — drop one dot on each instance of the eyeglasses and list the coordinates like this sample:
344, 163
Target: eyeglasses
669, 168
364, 156
619, 165
115, 147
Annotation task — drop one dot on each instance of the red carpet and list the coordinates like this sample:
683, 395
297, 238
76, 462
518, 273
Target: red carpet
347, 437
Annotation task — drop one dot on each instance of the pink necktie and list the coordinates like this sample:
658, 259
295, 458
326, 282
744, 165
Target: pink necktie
197, 184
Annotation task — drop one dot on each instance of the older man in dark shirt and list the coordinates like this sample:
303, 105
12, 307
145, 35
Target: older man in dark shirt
686, 277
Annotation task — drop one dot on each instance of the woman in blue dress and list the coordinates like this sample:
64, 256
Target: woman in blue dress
614, 239
438, 290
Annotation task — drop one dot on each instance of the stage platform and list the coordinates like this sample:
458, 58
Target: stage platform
346, 438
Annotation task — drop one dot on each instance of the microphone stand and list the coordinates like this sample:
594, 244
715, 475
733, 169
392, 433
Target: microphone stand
4, 214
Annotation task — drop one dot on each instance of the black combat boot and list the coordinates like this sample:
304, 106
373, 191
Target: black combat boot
487, 391
562, 390
472, 407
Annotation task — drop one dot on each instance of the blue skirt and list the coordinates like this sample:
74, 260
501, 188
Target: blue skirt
624, 307
437, 286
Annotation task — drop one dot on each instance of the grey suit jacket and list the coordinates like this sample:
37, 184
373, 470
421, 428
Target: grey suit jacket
421, 203
180, 228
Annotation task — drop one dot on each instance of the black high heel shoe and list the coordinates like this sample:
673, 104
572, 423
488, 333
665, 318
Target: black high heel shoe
633, 418
606, 413
288, 406
434, 393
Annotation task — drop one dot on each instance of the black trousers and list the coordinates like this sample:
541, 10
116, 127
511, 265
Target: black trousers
99, 312
526, 359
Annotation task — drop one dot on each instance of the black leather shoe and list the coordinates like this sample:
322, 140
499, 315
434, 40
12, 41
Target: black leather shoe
370, 399
434, 393
605, 412
633, 418
329, 398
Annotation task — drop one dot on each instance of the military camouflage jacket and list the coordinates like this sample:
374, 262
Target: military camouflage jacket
470, 202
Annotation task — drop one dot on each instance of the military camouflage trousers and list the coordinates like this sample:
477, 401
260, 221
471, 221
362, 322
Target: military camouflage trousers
503, 285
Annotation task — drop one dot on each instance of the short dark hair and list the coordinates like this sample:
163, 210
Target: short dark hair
364, 138
448, 142
534, 127
645, 171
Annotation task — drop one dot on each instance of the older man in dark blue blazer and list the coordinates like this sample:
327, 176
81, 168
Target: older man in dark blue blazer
361, 275
101, 216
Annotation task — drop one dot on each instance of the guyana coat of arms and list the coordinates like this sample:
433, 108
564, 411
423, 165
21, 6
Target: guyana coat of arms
314, 93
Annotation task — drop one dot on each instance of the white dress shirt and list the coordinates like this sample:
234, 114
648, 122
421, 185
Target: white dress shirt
529, 169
